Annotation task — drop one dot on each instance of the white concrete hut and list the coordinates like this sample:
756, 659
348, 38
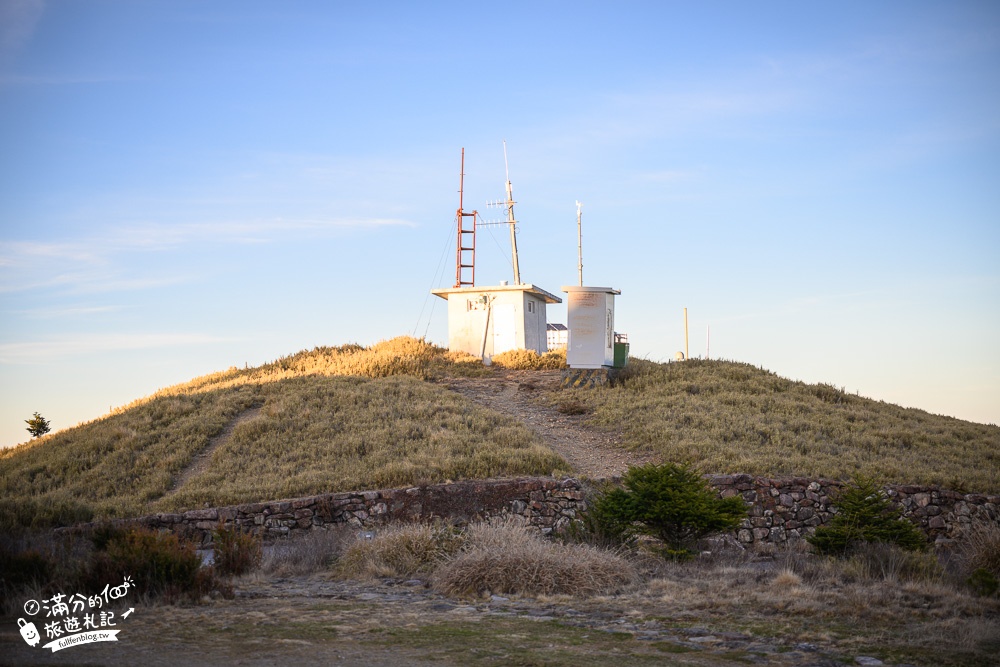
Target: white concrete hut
485, 321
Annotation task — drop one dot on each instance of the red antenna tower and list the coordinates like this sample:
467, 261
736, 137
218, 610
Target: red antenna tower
465, 254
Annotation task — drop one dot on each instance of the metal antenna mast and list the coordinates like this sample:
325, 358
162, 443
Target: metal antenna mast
510, 218
465, 249
579, 239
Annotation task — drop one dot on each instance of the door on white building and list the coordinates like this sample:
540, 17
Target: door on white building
503, 328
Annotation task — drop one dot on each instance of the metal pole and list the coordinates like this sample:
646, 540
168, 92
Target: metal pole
459, 218
579, 240
687, 354
510, 218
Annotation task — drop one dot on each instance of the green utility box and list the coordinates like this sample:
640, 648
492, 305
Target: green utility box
621, 355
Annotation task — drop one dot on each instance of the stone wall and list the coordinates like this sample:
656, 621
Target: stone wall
548, 504
789, 509
779, 510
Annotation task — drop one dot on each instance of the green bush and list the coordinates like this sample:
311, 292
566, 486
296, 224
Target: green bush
670, 502
983, 582
236, 552
601, 525
157, 563
23, 568
865, 514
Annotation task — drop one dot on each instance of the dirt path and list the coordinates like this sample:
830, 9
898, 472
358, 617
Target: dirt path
591, 451
314, 620
199, 463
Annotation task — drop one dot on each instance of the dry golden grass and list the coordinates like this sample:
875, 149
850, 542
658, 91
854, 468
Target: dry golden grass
349, 417
334, 419
509, 558
980, 547
333, 434
402, 550
730, 417
525, 360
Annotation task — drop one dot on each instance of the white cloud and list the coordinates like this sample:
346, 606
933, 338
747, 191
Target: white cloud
74, 346
18, 19
88, 265
61, 313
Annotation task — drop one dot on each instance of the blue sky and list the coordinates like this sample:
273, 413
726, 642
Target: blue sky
189, 186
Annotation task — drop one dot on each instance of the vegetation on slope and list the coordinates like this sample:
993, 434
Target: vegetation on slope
731, 417
350, 417
330, 420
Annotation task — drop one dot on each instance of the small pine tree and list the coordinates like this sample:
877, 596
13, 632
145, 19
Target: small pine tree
670, 502
38, 426
865, 514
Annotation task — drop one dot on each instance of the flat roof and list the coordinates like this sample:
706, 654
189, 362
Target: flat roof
580, 288
548, 297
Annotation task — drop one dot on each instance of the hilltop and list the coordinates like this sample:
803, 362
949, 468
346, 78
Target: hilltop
404, 412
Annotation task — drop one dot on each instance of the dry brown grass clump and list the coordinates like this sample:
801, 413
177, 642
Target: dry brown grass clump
980, 547
313, 552
529, 360
402, 550
511, 559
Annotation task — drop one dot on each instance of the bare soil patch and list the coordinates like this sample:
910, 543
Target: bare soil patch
531, 397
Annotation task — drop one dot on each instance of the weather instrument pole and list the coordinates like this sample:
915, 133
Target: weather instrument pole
579, 240
510, 218
687, 352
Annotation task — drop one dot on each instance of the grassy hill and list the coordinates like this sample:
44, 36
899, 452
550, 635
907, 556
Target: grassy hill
354, 418
729, 417
330, 419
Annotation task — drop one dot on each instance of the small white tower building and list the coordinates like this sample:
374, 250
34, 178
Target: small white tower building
590, 315
486, 320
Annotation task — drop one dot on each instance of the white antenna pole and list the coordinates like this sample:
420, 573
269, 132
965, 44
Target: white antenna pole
687, 351
708, 341
579, 239
510, 217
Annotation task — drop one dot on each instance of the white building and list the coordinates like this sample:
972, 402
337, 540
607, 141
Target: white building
590, 316
485, 321
557, 335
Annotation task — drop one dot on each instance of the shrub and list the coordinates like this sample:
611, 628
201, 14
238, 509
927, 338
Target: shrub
601, 525
881, 561
983, 582
512, 559
530, 360
670, 502
980, 547
236, 552
157, 563
400, 551
23, 568
865, 514
572, 406
308, 553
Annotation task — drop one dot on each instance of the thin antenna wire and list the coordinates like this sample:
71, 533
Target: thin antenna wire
434, 281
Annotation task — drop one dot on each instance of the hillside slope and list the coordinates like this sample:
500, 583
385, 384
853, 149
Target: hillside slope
730, 417
352, 418
331, 419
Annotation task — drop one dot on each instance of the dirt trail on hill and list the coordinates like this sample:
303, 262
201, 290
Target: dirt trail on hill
590, 450
199, 463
